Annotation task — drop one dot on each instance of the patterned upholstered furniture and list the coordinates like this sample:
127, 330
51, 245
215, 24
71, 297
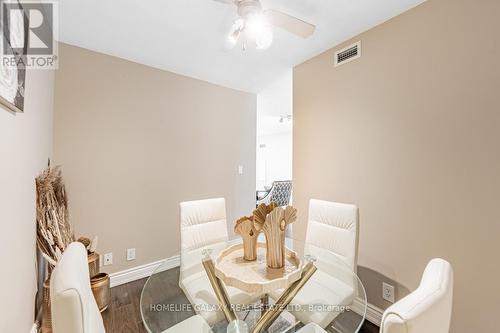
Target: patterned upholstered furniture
280, 193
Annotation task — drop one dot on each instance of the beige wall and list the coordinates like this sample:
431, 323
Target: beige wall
410, 133
25, 146
134, 141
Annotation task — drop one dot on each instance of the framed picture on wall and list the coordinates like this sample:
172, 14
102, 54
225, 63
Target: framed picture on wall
13, 75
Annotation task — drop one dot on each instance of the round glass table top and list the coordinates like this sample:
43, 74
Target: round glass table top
332, 297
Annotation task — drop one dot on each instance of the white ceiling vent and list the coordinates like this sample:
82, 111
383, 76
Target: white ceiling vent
348, 54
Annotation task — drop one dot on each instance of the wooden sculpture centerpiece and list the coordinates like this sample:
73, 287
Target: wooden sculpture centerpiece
245, 228
247, 267
272, 221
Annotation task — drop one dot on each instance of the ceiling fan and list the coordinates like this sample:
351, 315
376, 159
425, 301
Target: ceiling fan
257, 24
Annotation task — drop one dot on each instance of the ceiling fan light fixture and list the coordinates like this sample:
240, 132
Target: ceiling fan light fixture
257, 24
259, 27
235, 33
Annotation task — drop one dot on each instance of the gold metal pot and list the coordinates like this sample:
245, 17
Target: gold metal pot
46, 315
101, 290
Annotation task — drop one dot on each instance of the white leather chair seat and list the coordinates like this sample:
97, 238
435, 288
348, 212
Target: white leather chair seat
311, 328
203, 225
324, 290
201, 295
428, 308
334, 226
74, 308
332, 236
203, 222
192, 324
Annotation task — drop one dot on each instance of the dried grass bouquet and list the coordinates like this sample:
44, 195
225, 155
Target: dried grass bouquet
54, 231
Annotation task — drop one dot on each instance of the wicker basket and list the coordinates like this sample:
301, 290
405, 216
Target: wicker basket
93, 260
101, 290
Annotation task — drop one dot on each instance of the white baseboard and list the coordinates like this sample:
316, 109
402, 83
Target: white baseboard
143, 271
373, 313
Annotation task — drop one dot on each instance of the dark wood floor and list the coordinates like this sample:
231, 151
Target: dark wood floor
123, 314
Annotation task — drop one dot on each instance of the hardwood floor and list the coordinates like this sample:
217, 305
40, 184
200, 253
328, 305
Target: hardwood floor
369, 328
124, 316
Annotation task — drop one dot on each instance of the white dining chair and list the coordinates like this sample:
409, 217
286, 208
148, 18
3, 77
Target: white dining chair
335, 227
428, 308
203, 223
332, 232
311, 328
192, 324
73, 306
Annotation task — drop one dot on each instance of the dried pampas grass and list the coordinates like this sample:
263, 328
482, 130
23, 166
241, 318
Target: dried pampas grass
54, 232
91, 246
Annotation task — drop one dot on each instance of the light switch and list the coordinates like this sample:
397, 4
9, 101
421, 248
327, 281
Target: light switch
240, 169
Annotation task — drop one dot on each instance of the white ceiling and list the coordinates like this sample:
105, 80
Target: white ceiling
187, 36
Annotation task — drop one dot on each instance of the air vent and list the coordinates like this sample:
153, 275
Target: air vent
348, 54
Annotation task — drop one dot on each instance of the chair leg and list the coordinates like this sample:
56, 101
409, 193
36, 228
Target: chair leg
220, 291
286, 297
264, 302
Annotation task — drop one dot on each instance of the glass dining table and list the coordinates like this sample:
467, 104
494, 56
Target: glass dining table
319, 287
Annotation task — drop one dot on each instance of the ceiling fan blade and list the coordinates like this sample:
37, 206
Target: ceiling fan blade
291, 24
229, 2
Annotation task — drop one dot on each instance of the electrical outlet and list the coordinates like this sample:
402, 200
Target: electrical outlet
388, 292
131, 254
108, 259
240, 169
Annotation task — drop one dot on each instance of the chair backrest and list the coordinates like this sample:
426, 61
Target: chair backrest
427, 309
335, 227
203, 222
281, 192
73, 306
